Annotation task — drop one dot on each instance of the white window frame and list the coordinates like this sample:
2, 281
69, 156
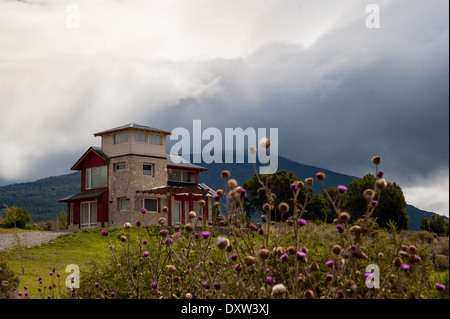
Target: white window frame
136, 134
149, 198
89, 224
117, 169
88, 181
120, 201
155, 139
152, 170
120, 138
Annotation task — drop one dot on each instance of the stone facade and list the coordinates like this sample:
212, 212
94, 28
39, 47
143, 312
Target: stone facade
125, 182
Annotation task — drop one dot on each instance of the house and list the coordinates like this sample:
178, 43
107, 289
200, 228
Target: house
131, 171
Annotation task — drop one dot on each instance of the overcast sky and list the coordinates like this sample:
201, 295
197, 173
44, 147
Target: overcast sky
338, 91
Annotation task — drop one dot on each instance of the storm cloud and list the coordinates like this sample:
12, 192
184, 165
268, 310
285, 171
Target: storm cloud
337, 91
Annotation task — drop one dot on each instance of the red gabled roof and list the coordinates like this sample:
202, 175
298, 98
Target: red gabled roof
91, 150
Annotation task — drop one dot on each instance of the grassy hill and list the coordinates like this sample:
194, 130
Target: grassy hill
41, 197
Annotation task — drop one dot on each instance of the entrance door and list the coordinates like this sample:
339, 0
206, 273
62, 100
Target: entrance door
177, 212
88, 215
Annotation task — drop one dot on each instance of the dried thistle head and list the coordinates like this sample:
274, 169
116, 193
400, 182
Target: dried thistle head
279, 290
397, 262
201, 203
292, 250
314, 266
376, 160
369, 194
308, 294
412, 249
309, 181
189, 227
264, 253
222, 242
344, 217
225, 174
320, 176
350, 285
165, 209
127, 225
249, 260
232, 183
283, 207
163, 232
381, 184
171, 268
336, 249
162, 221
267, 208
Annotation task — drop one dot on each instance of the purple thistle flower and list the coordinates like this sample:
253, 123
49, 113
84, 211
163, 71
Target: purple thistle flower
341, 189
113, 293
168, 241
243, 193
25, 293
284, 257
206, 234
380, 174
260, 231
197, 267
50, 273
146, 253
145, 241
340, 228
353, 247
217, 286
234, 257
440, 287
270, 280
367, 275
143, 210
104, 232
205, 285
216, 197
329, 277
97, 284
329, 263
405, 267
304, 249
73, 292
374, 202
200, 218
238, 268
154, 285
301, 222
301, 255
154, 291
293, 186
197, 236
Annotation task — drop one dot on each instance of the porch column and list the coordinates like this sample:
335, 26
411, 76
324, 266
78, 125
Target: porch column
169, 206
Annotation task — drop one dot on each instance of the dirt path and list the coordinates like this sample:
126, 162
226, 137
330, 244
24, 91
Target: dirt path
28, 238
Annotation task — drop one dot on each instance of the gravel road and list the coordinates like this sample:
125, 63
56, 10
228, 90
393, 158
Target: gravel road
28, 238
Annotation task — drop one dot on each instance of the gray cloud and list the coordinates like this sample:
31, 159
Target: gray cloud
338, 92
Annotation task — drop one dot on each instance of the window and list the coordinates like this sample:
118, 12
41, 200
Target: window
140, 137
155, 139
121, 138
176, 175
120, 166
88, 215
151, 204
149, 170
123, 204
96, 177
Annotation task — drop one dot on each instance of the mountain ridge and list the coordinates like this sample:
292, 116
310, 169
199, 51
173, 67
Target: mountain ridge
41, 196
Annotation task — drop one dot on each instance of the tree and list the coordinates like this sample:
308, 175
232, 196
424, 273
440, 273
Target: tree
279, 184
16, 217
391, 206
436, 224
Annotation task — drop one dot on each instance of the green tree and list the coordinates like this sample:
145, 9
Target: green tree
16, 217
436, 224
391, 206
279, 184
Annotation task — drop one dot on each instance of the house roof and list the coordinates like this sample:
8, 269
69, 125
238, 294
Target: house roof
178, 161
180, 188
96, 150
130, 126
84, 195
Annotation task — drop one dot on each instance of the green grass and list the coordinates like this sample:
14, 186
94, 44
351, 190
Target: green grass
80, 248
